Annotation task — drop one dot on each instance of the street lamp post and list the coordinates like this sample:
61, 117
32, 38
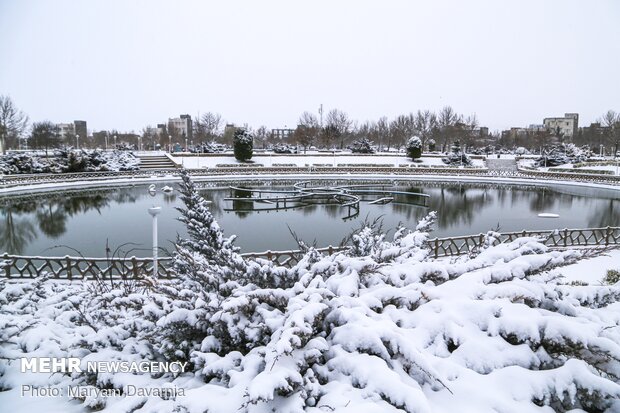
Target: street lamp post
106, 142
170, 143
77, 141
186, 150
115, 147
154, 211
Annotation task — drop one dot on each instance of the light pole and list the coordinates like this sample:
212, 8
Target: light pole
106, 142
600, 153
115, 147
154, 211
170, 143
77, 141
186, 145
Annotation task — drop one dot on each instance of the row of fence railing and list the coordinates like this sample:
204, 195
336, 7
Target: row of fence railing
76, 268
19, 180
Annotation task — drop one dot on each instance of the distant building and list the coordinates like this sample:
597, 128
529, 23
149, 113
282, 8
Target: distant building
282, 134
181, 125
566, 126
534, 128
481, 132
65, 129
158, 131
78, 127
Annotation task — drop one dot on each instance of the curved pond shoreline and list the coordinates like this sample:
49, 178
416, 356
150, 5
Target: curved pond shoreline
112, 181
64, 215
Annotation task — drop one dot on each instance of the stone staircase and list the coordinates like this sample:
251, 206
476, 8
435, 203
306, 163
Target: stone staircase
494, 164
152, 162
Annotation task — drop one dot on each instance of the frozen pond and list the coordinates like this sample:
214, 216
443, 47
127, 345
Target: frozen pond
86, 221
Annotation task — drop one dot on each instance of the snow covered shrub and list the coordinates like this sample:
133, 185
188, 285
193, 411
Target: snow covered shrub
612, 277
563, 154
77, 161
23, 163
457, 157
432, 145
362, 145
381, 326
69, 161
414, 147
243, 145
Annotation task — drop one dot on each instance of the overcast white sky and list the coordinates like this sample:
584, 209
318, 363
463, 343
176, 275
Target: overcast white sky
128, 64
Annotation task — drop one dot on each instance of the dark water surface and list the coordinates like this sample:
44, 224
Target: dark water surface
85, 220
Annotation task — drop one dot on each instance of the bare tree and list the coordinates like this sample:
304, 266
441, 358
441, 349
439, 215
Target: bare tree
149, 136
401, 128
424, 123
469, 136
211, 123
307, 130
446, 121
44, 136
611, 121
383, 131
337, 124
260, 135
13, 122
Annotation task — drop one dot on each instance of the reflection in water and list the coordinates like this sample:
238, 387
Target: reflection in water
30, 224
15, 233
607, 213
52, 220
242, 208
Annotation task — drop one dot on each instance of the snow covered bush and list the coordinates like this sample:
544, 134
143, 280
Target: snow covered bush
15, 163
612, 277
243, 145
79, 160
457, 157
414, 147
432, 145
563, 154
362, 145
380, 327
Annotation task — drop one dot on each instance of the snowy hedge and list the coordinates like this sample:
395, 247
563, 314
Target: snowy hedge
76, 160
457, 157
381, 327
563, 154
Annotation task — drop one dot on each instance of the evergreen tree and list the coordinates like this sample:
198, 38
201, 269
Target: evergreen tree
414, 148
243, 145
362, 145
431, 145
457, 157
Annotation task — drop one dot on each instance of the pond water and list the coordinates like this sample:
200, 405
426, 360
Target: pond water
67, 222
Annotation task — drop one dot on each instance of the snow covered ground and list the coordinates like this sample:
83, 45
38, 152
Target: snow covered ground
382, 327
312, 159
591, 270
612, 168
